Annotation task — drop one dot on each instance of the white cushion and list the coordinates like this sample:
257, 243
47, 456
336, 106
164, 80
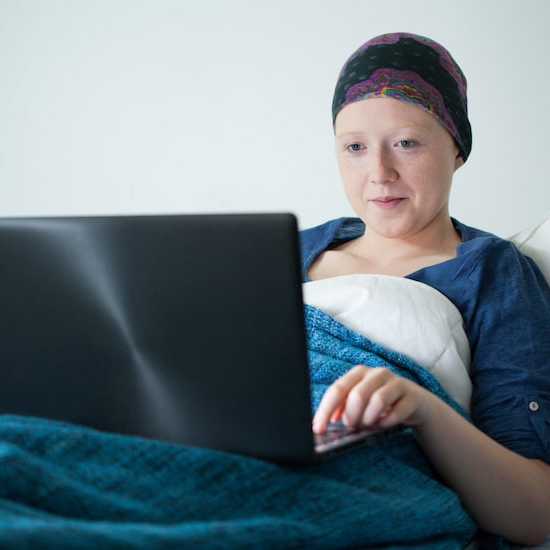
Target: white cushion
535, 243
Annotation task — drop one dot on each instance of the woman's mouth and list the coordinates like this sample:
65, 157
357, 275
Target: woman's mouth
388, 202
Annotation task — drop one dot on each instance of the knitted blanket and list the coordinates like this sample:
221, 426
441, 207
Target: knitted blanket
66, 486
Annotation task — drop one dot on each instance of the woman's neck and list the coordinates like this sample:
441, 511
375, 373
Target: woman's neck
439, 237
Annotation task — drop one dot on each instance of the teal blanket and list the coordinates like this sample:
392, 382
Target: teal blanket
65, 486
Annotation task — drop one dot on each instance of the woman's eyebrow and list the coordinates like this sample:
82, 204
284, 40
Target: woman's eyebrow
345, 134
400, 128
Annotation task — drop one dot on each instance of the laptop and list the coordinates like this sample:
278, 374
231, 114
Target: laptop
182, 328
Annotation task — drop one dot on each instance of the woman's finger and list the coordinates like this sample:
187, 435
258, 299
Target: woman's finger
382, 400
360, 397
337, 414
335, 396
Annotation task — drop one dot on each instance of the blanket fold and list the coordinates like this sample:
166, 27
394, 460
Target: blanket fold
66, 486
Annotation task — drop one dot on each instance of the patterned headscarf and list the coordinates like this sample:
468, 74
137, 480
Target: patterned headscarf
410, 68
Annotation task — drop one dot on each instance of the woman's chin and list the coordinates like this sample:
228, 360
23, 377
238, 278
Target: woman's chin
389, 229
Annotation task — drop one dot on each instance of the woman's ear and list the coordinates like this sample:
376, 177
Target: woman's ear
459, 161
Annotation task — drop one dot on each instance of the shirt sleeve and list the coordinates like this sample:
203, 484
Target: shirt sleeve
510, 340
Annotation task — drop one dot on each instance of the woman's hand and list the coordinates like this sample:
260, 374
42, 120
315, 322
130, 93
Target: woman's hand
374, 398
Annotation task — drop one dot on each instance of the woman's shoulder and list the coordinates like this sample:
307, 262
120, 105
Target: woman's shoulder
482, 247
475, 237
321, 236
492, 265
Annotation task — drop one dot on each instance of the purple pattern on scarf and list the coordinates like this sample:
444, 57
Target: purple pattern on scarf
447, 62
409, 86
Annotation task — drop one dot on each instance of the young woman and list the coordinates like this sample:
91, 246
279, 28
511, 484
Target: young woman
402, 130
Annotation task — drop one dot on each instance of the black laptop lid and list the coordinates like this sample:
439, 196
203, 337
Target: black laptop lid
186, 328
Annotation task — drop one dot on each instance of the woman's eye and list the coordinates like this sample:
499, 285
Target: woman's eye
407, 143
353, 145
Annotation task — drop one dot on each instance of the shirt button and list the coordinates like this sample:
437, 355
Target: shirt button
533, 406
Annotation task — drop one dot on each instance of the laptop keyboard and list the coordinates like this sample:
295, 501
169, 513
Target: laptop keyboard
338, 434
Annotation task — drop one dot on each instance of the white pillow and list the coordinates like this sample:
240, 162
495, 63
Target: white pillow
535, 243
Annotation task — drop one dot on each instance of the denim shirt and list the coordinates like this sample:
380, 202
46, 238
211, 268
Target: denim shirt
504, 300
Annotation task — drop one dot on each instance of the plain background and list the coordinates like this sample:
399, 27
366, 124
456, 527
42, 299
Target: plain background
165, 106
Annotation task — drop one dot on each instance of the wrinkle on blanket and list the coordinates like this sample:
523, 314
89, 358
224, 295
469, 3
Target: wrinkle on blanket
66, 486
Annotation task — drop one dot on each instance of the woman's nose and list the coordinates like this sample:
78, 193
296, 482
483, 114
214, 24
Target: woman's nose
380, 167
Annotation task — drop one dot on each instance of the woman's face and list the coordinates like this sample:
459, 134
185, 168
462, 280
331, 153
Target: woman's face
389, 149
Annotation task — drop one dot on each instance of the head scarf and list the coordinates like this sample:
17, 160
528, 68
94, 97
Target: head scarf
410, 68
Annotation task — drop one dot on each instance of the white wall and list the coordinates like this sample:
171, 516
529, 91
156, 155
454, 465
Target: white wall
127, 106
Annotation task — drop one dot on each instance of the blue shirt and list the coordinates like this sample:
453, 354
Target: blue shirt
504, 300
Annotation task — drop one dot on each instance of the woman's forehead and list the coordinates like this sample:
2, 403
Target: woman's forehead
382, 113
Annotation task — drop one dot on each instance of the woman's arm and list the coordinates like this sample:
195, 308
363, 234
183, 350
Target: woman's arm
505, 493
